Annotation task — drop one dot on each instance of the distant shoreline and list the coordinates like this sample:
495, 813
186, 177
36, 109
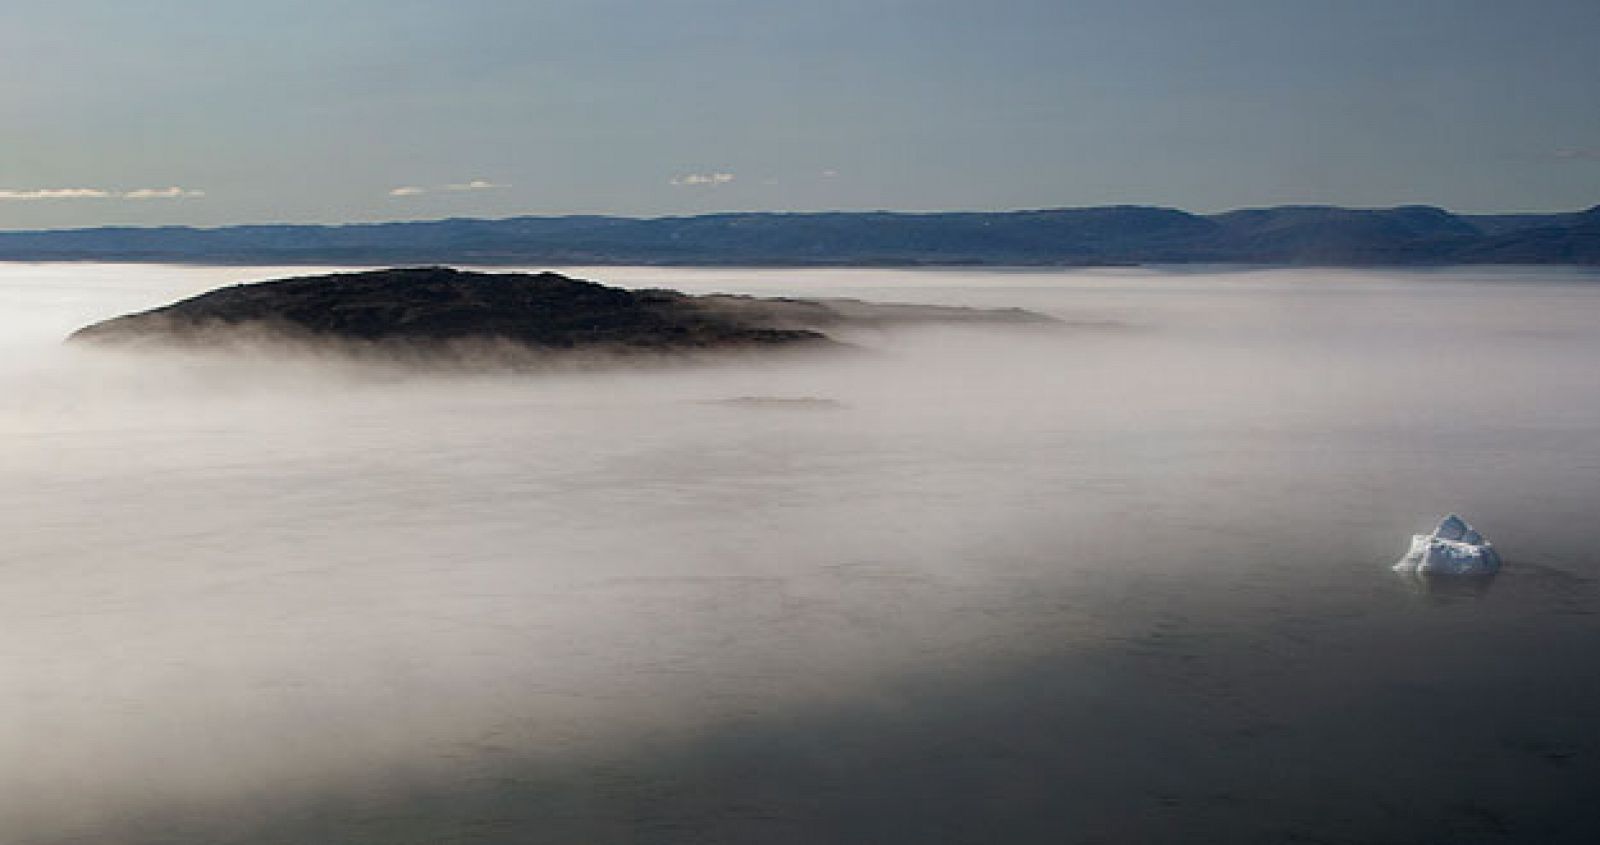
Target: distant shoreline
1115, 236
469, 263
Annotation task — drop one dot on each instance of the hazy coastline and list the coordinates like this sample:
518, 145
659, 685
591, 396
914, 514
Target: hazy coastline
1107, 236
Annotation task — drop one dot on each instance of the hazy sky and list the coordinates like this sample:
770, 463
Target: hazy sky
215, 112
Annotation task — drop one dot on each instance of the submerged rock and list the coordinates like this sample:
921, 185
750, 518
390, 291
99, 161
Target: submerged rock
791, 403
827, 312
1454, 548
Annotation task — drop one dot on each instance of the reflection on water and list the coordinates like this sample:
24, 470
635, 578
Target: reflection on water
1120, 583
1445, 587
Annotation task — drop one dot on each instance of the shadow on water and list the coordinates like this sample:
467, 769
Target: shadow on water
1402, 723
1522, 581
1449, 587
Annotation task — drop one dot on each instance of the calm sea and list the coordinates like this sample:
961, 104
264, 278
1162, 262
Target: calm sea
1125, 579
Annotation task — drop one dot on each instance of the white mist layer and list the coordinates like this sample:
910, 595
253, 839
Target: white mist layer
233, 580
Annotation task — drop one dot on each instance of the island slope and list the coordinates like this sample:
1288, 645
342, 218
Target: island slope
440, 309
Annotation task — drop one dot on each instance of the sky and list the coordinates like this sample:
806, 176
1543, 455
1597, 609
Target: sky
217, 112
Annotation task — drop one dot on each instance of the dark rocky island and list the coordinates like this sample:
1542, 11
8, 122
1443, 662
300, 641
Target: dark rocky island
442, 312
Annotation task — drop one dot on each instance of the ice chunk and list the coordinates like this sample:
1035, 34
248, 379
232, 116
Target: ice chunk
1451, 527
1454, 548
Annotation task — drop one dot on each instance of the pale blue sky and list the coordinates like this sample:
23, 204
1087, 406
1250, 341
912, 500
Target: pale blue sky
317, 111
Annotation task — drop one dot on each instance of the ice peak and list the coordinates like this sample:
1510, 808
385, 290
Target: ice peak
1452, 527
1454, 548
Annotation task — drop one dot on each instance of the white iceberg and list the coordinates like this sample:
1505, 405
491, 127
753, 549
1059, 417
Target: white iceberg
1454, 548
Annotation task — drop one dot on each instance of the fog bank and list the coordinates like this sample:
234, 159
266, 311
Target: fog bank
251, 597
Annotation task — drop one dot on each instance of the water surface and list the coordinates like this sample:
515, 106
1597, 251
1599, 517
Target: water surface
1121, 580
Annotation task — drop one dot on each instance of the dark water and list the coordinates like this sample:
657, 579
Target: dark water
1125, 581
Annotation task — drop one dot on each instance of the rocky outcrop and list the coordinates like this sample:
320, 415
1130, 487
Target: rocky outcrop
429, 310
419, 308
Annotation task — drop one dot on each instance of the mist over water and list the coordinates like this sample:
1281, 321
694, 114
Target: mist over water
1123, 579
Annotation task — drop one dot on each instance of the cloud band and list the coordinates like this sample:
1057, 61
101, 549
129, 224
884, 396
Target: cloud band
173, 192
702, 179
474, 185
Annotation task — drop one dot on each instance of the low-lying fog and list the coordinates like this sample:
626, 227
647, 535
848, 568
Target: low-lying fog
1125, 579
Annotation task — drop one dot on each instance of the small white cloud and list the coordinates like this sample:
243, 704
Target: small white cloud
830, 174
1579, 154
100, 194
703, 179
474, 185
55, 194
171, 193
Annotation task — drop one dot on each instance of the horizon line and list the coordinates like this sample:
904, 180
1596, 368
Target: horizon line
796, 213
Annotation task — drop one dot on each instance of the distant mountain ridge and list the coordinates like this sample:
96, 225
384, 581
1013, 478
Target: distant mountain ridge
1107, 235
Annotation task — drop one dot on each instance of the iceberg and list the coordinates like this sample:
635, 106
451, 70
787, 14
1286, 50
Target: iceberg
1454, 548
